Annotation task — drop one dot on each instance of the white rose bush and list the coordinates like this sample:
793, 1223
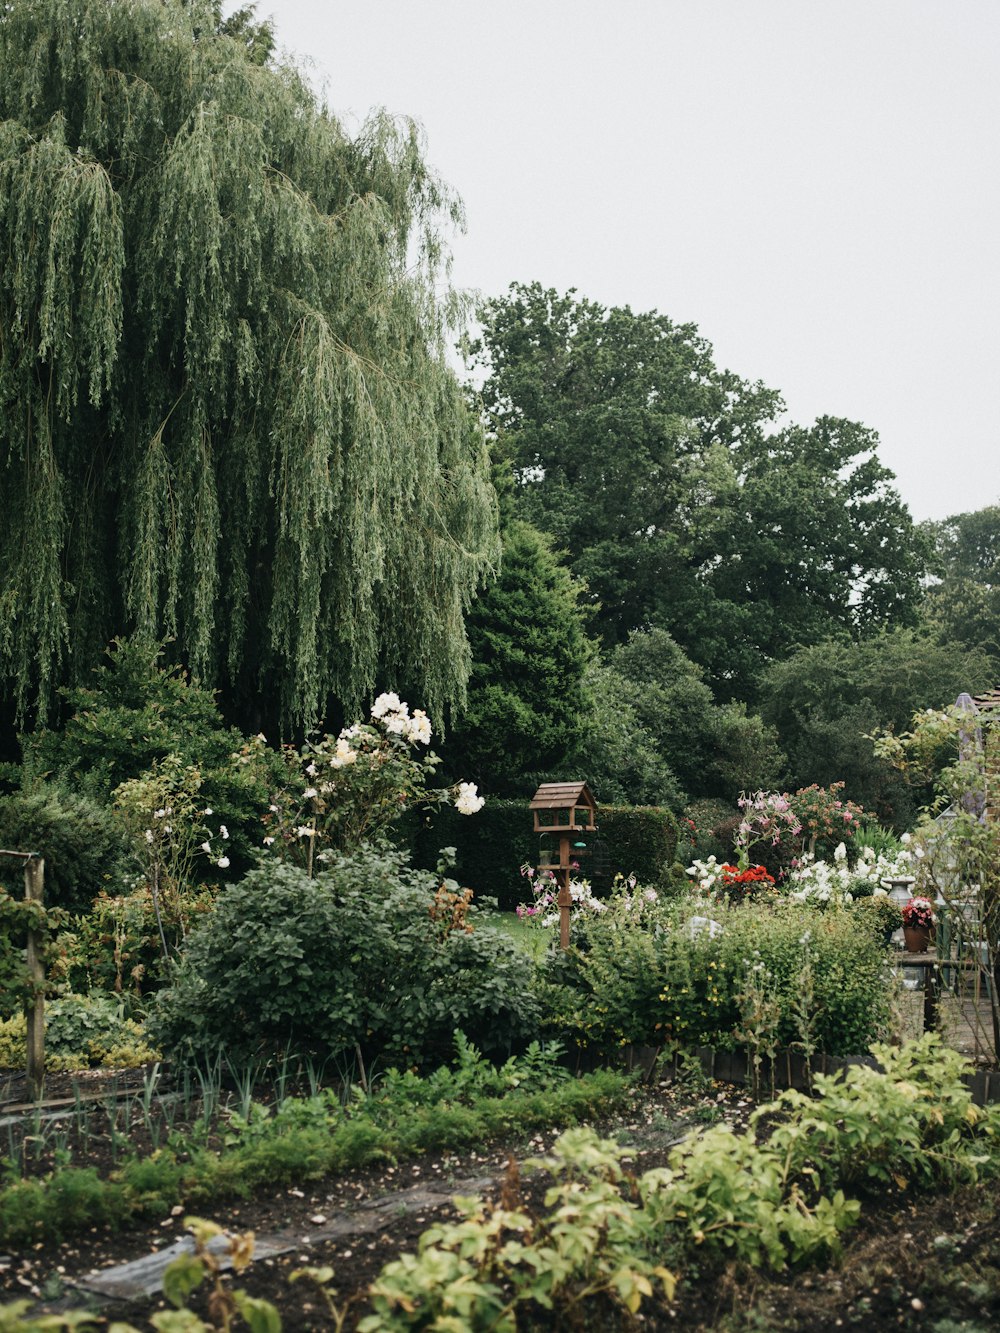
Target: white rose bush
345, 790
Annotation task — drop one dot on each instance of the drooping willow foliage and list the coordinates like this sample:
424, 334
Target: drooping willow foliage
225, 413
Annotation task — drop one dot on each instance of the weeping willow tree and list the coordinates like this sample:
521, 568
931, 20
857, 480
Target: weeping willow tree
225, 412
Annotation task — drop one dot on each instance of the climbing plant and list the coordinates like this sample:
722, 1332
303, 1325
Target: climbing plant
225, 412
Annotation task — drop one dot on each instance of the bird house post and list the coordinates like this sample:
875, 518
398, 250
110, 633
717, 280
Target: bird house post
564, 813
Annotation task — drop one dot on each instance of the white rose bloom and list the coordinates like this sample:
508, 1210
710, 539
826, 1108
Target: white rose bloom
468, 800
222, 862
419, 730
304, 831
207, 847
396, 724
344, 754
387, 703
309, 793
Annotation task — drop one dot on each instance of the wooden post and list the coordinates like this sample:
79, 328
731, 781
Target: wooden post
564, 901
34, 1009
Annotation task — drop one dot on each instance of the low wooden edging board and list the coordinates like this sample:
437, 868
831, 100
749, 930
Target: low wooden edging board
790, 1068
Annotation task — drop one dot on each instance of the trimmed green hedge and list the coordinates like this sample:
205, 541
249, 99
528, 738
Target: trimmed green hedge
493, 845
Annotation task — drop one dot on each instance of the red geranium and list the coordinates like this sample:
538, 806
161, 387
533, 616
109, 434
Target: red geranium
739, 886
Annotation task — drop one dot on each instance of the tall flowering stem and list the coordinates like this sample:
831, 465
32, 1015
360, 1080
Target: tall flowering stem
766, 817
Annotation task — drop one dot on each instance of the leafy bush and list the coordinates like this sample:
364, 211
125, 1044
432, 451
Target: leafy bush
80, 1030
353, 956
85, 848
639, 840
116, 947
760, 1199
488, 849
474, 1273
137, 714
707, 830
671, 976
309, 1138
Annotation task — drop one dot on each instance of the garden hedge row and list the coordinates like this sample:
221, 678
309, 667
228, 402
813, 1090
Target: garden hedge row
493, 845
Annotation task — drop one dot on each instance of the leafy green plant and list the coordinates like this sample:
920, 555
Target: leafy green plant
117, 946
475, 1273
759, 1198
352, 958
135, 716
304, 1140
228, 1305
676, 977
913, 1121
80, 1031
84, 846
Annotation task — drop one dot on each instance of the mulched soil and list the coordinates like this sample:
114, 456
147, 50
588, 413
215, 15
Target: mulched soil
931, 1263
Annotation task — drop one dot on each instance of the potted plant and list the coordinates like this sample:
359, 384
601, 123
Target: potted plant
918, 924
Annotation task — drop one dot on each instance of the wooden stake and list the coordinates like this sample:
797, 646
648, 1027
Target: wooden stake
34, 1009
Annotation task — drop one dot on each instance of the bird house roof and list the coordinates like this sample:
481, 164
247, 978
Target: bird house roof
562, 795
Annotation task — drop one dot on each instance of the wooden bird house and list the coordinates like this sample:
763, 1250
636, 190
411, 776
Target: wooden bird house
564, 807
566, 810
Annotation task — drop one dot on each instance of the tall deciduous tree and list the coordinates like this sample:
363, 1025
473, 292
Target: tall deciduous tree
676, 499
225, 413
826, 700
964, 605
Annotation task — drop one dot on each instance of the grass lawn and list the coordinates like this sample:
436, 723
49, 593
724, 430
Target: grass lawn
533, 940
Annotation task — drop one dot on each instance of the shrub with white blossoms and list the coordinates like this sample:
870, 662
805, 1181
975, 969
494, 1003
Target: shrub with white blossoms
166, 816
467, 799
707, 874
342, 791
836, 882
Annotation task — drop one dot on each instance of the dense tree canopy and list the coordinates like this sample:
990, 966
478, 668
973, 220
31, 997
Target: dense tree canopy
711, 750
675, 497
225, 413
963, 605
825, 700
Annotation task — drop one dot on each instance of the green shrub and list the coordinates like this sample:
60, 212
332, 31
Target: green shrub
353, 956
116, 947
708, 827
489, 850
663, 978
640, 840
84, 846
80, 1031
136, 714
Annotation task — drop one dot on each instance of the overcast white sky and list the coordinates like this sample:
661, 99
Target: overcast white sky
814, 183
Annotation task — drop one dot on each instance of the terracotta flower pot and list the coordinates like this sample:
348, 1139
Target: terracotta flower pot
916, 938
